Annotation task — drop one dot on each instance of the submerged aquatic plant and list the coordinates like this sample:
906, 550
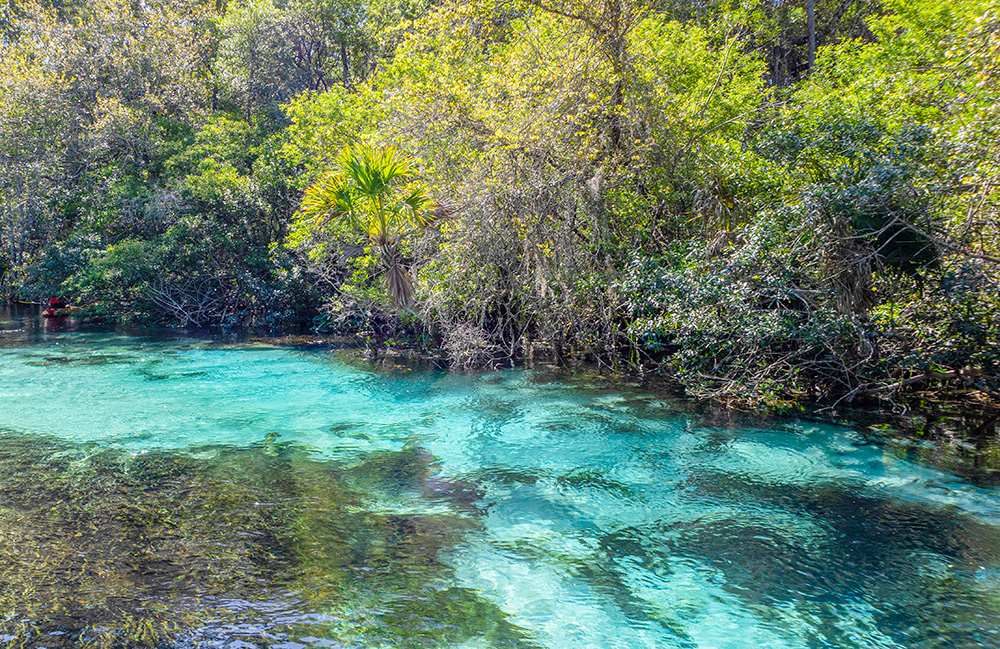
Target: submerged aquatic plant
105, 548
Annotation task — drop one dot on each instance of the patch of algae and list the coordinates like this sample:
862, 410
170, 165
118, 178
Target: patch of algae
101, 548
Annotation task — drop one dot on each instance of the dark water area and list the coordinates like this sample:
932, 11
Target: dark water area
164, 490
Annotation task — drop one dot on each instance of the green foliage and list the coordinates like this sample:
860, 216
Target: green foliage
373, 192
655, 186
952, 326
197, 274
250, 61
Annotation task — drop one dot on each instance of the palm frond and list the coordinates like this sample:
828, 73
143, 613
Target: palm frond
417, 203
329, 198
374, 171
372, 191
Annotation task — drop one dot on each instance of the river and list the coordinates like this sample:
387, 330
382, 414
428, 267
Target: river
164, 490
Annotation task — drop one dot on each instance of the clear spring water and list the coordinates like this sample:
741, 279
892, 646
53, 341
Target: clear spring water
246, 495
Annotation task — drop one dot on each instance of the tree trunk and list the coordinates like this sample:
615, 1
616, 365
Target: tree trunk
17, 252
617, 50
343, 62
811, 21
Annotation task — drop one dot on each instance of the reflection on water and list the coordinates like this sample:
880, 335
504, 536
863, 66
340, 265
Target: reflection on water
201, 494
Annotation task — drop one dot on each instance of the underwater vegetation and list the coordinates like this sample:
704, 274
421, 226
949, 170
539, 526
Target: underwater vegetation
101, 547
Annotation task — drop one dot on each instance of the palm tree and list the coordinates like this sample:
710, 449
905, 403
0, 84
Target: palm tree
373, 191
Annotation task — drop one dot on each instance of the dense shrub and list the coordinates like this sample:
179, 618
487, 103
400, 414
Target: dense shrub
663, 187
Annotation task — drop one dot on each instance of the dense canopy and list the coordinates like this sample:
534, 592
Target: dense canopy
771, 201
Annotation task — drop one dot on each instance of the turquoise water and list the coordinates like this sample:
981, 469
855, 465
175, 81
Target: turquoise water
250, 495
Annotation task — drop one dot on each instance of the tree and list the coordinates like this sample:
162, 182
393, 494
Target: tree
249, 61
372, 191
271, 51
321, 32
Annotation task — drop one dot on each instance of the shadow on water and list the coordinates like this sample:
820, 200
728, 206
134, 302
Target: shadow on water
261, 544
916, 570
963, 442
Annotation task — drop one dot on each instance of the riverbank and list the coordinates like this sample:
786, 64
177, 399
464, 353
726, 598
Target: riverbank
946, 411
